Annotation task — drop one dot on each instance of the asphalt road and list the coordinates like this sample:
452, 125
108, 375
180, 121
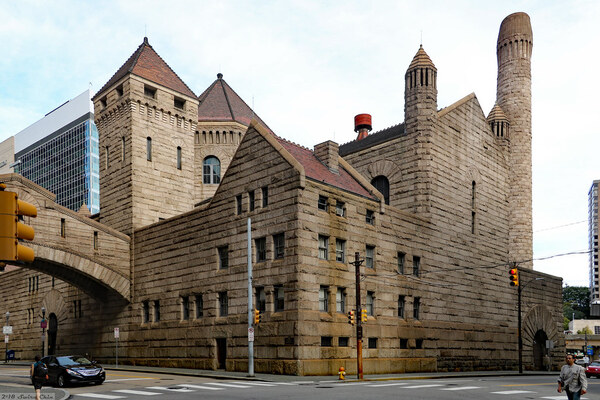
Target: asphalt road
142, 385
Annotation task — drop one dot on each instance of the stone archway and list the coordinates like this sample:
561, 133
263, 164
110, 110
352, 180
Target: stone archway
538, 327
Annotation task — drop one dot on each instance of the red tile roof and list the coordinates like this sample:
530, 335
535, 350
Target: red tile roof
220, 103
316, 170
146, 63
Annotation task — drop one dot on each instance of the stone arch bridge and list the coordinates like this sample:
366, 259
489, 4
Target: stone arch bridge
73, 247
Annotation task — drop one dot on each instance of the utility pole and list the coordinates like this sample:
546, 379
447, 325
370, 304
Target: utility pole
250, 306
520, 336
359, 364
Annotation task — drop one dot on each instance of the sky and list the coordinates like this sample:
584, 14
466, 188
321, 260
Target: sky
308, 67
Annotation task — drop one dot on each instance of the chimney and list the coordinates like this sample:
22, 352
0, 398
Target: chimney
362, 125
327, 152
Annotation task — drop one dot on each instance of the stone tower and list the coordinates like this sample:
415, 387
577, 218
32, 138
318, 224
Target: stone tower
513, 96
420, 113
146, 117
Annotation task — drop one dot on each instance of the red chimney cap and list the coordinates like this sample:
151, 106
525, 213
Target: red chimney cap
362, 121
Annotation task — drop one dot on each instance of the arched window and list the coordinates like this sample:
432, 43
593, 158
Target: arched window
178, 157
211, 168
382, 184
149, 148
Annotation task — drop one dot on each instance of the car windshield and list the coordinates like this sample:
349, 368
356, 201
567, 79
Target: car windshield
73, 360
595, 364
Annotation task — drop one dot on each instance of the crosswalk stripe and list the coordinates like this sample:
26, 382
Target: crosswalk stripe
285, 383
559, 397
389, 384
462, 388
254, 383
138, 392
420, 386
182, 390
99, 396
228, 385
186, 385
513, 392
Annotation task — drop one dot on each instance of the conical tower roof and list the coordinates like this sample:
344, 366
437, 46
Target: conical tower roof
220, 103
421, 59
497, 114
146, 63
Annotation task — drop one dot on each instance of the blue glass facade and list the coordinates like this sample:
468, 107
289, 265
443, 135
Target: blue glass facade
67, 164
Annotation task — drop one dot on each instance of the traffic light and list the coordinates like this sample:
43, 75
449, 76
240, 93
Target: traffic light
351, 319
256, 316
363, 315
11, 230
514, 277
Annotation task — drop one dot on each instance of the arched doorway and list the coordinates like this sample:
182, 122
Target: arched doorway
382, 184
52, 329
539, 350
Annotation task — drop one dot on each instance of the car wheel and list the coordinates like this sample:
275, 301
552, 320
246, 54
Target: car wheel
60, 381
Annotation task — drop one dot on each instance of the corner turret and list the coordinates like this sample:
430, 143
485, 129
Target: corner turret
420, 92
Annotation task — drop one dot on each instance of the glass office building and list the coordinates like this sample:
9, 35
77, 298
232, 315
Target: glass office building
60, 153
593, 220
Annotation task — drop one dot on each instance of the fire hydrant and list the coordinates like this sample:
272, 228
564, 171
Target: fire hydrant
342, 373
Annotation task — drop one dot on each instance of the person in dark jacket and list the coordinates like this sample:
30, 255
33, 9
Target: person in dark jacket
38, 381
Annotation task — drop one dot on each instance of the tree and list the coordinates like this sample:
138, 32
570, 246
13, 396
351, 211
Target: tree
584, 331
576, 299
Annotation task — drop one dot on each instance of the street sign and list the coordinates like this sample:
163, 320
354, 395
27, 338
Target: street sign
590, 351
251, 334
44, 324
116, 333
7, 330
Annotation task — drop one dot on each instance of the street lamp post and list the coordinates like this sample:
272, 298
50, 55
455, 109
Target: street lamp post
519, 290
43, 324
6, 352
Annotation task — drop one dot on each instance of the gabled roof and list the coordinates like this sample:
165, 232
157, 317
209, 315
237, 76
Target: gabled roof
146, 63
220, 103
317, 171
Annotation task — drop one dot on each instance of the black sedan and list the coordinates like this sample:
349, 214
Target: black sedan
63, 370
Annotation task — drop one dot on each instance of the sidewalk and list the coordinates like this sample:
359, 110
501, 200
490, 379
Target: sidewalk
27, 392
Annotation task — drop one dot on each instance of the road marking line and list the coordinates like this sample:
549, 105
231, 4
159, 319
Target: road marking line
99, 396
285, 383
420, 386
254, 383
513, 392
182, 390
391, 384
126, 379
199, 387
228, 385
128, 391
463, 388
352, 383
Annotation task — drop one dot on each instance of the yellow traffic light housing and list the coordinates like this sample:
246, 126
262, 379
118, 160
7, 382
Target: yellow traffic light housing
256, 316
351, 318
363, 315
11, 230
514, 277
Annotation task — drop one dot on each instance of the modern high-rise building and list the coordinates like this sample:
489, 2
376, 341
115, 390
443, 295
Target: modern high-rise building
593, 246
60, 153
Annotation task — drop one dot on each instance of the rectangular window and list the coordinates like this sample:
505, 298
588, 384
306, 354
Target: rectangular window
279, 298
416, 265
261, 249
419, 343
322, 205
265, 196
179, 157
326, 341
416, 307
148, 149
178, 103
343, 341
149, 91
596, 330
63, 228
223, 304
340, 300
370, 257
185, 308
401, 260
95, 240
261, 299
370, 217
279, 245
156, 310
238, 204
323, 247
146, 311
340, 209
120, 90
371, 303
251, 200
401, 302
372, 342
199, 306
223, 257
324, 298
404, 343
340, 250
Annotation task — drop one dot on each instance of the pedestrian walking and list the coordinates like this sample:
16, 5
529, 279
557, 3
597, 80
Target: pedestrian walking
39, 376
572, 379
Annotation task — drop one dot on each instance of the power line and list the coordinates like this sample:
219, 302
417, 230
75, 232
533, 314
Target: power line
560, 226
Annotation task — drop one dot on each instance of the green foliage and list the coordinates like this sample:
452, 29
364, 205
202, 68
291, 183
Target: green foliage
565, 323
584, 331
576, 299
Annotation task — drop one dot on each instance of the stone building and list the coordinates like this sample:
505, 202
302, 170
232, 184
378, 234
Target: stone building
430, 205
